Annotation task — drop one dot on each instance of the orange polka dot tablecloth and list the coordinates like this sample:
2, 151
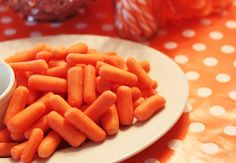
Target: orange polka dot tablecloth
206, 51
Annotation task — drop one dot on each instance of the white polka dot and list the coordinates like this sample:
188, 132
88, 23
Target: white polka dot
188, 108
234, 63
175, 144
56, 24
223, 78
232, 95
205, 22
170, 45
151, 160
210, 61
204, 92
9, 32
217, 110
188, 33
35, 34
210, 148
162, 32
231, 24
228, 49
181, 59
3, 8
81, 25
107, 27
82, 11
192, 75
6, 20
230, 130
216, 35
199, 47
197, 127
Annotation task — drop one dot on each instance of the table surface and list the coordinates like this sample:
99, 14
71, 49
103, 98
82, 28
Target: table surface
206, 51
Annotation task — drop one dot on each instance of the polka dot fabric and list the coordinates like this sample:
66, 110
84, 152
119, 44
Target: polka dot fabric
206, 51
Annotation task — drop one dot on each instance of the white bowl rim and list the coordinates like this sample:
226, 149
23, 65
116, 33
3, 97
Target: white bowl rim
11, 83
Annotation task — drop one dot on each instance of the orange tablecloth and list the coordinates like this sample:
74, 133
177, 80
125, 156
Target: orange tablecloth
206, 51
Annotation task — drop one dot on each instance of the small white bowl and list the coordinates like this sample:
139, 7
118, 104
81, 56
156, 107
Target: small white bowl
7, 86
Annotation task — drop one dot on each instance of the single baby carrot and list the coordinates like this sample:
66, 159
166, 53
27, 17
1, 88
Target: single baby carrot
49, 144
110, 121
145, 65
115, 60
103, 85
45, 100
17, 136
33, 96
45, 55
58, 104
17, 150
125, 105
17, 102
143, 78
42, 123
5, 149
32, 145
136, 93
138, 101
89, 88
78, 48
58, 71
66, 130
100, 105
55, 63
83, 123
59, 52
47, 83
24, 119
36, 66
75, 58
75, 86
117, 75
27, 55
146, 109
5, 136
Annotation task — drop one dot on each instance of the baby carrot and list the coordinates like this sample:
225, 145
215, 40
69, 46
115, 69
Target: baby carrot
99, 64
78, 48
146, 109
100, 105
45, 55
75, 86
47, 83
136, 93
143, 78
32, 145
27, 55
49, 144
75, 58
17, 136
145, 65
42, 123
5, 149
58, 71
17, 150
102, 85
58, 104
33, 96
36, 66
116, 61
89, 90
66, 130
17, 102
138, 101
83, 123
5, 136
117, 75
45, 100
55, 63
24, 119
124, 105
59, 52
110, 121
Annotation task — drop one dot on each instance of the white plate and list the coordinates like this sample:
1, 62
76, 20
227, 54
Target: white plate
129, 141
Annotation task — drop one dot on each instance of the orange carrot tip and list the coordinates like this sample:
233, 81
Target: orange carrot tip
58, 104
136, 93
17, 150
59, 52
145, 65
115, 60
55, 63
45, 55
5, 149
5, 136
81, 48
58, 71
36, 66
138, 101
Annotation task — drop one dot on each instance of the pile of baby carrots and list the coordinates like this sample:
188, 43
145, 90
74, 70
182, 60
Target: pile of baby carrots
73, 94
